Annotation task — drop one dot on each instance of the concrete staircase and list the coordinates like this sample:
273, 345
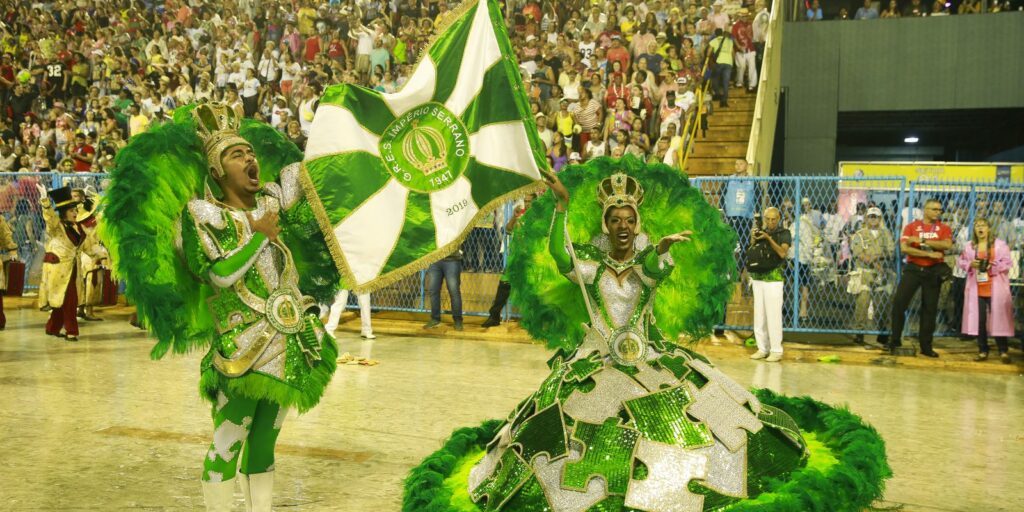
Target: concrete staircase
728, 135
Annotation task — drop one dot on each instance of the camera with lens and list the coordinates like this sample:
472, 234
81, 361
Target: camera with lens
983, 265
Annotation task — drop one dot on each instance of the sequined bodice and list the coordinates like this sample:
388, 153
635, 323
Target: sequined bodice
228, 230
619, 295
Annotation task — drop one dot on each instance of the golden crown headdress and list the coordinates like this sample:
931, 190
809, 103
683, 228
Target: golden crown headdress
619, 191
217, 126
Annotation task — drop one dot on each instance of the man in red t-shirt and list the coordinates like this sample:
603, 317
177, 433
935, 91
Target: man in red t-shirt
337, 51
925, 243
618, 53
82, 154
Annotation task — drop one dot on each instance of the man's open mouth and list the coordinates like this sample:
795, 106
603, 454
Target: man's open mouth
254, 174
623, 236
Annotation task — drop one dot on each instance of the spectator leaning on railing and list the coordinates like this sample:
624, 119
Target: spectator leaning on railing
740, 204
866, 12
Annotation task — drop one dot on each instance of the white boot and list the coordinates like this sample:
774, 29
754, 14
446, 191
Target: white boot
258, 490
219, 496
336, 310
364, 316
243, 482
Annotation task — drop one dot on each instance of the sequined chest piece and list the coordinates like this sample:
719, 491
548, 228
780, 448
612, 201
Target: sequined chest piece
268, 302
622, 298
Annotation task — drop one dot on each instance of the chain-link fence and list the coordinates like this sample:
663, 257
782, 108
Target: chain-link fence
1002, 205
840, 273
843, 265
823, 215
483, 253
19, 204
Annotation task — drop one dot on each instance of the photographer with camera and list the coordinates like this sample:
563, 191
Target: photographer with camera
988, 303
769, 244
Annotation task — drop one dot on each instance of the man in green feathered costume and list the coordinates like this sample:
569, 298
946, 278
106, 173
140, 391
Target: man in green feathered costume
268, 351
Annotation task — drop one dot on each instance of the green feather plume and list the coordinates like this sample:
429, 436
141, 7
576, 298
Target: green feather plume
691, 301
153, 179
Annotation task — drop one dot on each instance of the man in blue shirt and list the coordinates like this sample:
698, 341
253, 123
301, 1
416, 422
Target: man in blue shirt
867, 12
814, 13
739, 205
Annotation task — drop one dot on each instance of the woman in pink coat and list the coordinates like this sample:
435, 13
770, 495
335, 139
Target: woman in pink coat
988, 305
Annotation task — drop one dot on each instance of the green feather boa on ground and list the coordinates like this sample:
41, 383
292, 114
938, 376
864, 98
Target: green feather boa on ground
846, 470
690, 302
153, 179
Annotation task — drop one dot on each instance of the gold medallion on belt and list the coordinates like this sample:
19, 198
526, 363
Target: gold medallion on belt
284, 310
627, 346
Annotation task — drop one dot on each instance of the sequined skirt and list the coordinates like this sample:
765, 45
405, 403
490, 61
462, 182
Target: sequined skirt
670, 433
292, 370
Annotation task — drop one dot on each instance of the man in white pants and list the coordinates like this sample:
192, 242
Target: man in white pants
340, 300
746, 52
765, 259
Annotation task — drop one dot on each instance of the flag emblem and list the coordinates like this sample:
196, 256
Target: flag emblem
429, 139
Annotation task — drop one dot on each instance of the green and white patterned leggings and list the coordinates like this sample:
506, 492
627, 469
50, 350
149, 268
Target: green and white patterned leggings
242, 427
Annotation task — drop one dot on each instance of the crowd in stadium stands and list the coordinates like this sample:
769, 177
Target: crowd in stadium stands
872, 9
80, 77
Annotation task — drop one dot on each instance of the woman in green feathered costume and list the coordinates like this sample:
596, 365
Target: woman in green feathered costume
630, 419
223, 272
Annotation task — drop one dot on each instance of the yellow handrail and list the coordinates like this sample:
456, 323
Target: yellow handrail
766, 106
762, 130
690, 130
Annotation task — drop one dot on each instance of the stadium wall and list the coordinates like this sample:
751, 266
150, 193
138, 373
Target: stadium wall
940, 63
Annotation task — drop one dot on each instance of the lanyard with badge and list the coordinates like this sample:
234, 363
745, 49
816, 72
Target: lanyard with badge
982, 274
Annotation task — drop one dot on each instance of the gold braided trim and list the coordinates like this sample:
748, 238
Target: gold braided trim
320, 213
238, 364
447, 20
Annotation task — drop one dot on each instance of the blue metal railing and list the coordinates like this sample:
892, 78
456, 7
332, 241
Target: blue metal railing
818, 268
821, 211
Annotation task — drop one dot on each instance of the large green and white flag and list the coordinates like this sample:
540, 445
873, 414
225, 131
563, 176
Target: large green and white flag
397, 180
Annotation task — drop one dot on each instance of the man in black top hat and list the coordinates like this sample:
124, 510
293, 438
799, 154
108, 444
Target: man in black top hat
66, 240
